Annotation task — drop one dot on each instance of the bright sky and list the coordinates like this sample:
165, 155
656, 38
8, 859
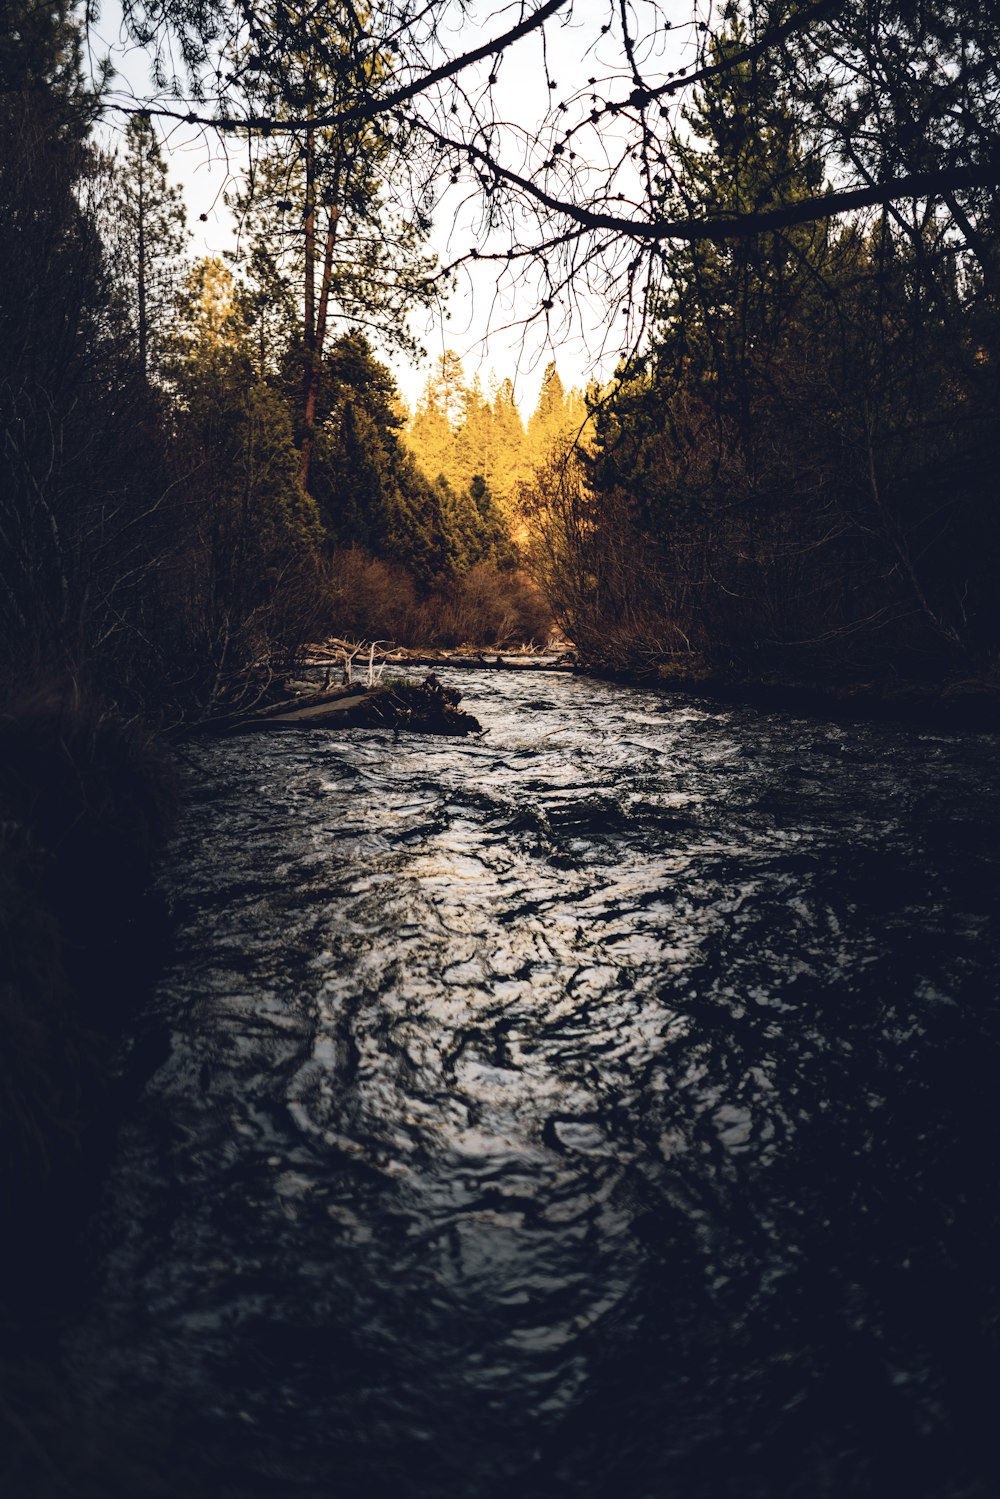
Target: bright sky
493, 330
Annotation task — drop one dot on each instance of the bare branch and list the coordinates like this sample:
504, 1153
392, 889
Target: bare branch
804, 211
377, 105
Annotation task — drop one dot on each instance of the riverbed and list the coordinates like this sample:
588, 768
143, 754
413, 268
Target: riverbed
600, 1106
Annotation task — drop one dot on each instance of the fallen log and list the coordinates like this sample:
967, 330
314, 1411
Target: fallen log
484, 662
419, 707
314, 714
487, 662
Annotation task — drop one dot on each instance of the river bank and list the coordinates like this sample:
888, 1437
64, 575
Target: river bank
87, 800
951, 699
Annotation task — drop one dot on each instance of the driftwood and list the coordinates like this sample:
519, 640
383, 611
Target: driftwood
490, 662
313, 713
327, 656
422, 707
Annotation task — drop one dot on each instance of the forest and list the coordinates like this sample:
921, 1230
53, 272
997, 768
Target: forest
792, 469
794, 475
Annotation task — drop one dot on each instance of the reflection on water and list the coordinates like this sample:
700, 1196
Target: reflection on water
594, 1108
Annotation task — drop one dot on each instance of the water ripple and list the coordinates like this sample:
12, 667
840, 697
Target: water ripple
589, 1109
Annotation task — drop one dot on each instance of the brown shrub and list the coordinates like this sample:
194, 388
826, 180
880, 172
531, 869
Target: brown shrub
487, 606
370, 599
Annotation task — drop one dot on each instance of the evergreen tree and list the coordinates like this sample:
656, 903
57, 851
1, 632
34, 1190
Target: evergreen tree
702, 448
447, 390
509, 462
79, 453
431, 436
433, 432
548, 422
776, 458
254, 528
373, 490
474, 454
264, 298
319, 202
724, 320
370, 491
149, 240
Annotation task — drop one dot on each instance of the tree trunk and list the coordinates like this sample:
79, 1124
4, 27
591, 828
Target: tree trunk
141, 265
318, 312
310, 363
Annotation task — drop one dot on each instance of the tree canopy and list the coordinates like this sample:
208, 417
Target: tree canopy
897, 99
794, 468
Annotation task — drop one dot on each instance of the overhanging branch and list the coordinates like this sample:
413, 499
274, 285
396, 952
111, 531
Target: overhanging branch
368, 109
772, 37
804, 211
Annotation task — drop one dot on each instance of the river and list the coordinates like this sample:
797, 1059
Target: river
603, 1106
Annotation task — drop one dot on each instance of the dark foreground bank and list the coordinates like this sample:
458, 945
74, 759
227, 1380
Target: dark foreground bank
86, 801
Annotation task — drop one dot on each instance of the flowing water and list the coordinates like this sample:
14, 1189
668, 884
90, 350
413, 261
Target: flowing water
600, 1107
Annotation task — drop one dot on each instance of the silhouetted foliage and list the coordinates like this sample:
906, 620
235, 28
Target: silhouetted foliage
795, 475
80, 433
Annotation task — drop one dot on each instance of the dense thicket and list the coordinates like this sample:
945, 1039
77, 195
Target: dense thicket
797, 472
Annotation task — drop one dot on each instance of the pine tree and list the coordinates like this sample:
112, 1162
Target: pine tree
448, 389
433, 429
548, 426
474, 447
509, 463
265, 302
253, 522
713, 448
431, 439
778, 452
69, 484
319, 201
725, 318
149, 237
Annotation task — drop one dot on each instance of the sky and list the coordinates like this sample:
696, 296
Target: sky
495, 331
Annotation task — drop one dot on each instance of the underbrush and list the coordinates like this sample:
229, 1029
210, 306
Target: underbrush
86, 798
487, 606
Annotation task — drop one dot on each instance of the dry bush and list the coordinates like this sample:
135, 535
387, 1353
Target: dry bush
369, 599
487, 606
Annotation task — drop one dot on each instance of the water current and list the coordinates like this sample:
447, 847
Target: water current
602, 1106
